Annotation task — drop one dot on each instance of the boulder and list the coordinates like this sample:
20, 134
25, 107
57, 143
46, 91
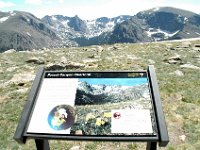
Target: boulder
10, 69
100, 49
179, 73
21, 84
190, 66
74, 65
182, 138
174, 60
63, 60
91, 56
169, 45
91, 65
75, 148
90, 60
10, 51
24, 90
186, 44
183, 45
196, 57
45, 49
197, 45
55, 67
117, 48
22, 78
35, 60
69, 65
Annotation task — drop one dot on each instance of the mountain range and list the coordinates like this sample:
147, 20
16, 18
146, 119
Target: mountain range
100, 94
75, 31
23, 31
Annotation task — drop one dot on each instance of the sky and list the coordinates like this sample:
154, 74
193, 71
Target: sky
92, 9
115, 81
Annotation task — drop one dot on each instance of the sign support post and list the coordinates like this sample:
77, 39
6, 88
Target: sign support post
151, 146
129, 108
42, 144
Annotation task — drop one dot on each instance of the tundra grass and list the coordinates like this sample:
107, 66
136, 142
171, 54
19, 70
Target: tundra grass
180, 94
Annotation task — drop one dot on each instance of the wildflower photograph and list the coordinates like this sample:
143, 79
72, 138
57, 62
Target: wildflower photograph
97, 98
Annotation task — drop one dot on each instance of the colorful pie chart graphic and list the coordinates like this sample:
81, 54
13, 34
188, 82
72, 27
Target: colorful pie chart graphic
61, 117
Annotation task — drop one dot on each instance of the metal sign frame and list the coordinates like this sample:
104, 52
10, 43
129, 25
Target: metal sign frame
41, 140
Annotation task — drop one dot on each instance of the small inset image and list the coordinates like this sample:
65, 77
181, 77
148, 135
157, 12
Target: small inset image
61, 117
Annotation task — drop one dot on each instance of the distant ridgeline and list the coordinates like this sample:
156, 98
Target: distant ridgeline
24, 31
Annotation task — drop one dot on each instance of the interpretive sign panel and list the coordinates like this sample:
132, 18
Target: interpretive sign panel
117, 106
91, 103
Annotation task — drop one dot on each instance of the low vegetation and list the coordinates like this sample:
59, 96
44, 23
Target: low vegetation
178, 71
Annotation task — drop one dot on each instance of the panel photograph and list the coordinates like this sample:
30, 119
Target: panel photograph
113, 106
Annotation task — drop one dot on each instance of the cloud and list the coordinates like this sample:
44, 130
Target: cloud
61, 1
6, 4
34, 2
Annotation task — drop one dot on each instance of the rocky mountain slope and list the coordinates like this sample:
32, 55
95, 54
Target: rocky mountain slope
157, 24
100, 94
23, 31
75, 31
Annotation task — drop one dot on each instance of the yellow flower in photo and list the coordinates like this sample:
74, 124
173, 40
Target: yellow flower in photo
89, 116
99, 122
107, 114
102, 122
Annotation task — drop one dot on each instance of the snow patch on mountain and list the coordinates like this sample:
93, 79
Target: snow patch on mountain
185, 19
12, 13
65, 23
54, 18
156, 9
97, 28
197, 33
28, 33
3, 19
153, 32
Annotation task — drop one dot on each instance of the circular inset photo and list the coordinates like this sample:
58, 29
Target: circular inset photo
61, 117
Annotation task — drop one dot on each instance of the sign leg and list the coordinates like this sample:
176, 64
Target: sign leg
151, 146
42, 144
